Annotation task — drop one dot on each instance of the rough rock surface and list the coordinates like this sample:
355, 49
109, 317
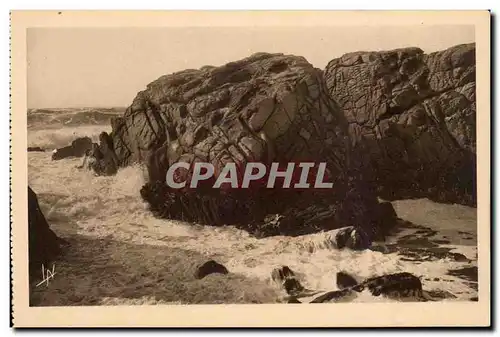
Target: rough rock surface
412, 117
395, 285
265, 108
399, 285
44, 245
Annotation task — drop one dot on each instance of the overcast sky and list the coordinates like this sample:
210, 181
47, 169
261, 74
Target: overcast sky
70, 67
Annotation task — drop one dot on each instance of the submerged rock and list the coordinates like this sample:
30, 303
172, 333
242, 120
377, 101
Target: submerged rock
412, 118
210, 267
107, 161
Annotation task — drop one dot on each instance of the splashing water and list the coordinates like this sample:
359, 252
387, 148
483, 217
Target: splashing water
77, 202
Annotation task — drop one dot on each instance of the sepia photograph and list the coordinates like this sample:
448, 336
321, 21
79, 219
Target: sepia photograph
251, 164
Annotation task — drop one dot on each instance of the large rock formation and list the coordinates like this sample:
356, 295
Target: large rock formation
44, 245
412, 117
264, 108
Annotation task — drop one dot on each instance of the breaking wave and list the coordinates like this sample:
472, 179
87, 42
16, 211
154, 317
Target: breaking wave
77, 202
43, 118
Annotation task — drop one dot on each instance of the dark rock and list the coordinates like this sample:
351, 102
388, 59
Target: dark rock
412, 119
285, 278
345, 280
210, 267
106, 161
293, 300
44, 245
441, 241
35, 149
466, 273
78, 148
474, 299
333, 296
292, 286
352, 238
458, 257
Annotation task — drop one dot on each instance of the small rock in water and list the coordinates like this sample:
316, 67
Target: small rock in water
210, 267
458, 257
345, 280
279, 275
466, 273
333, 296
285, 278
292, 286
35, 149
400, 284
293, 300
353, 238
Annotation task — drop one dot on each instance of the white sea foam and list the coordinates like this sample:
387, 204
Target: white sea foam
74, 200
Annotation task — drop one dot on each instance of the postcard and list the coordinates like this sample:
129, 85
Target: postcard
250, 168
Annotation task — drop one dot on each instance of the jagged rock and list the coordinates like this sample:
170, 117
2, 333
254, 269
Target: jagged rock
345, 280
77, 148
393, 285
44, 245
292, 286
35, 149
412, 119
264, 108
210, 267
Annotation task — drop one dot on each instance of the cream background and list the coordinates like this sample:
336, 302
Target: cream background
322, 315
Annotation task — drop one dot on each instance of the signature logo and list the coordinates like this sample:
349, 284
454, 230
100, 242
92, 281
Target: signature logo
47, 275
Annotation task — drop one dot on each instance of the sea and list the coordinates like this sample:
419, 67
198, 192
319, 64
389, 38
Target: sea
436, 242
